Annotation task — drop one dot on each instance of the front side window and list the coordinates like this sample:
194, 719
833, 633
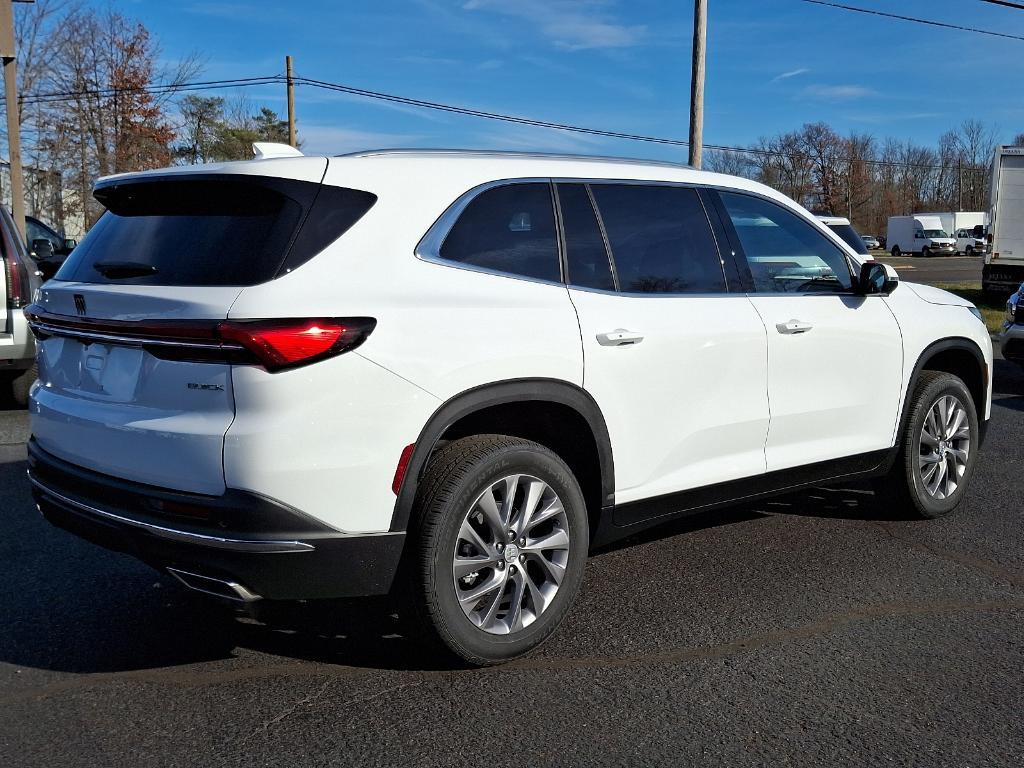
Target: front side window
508, 229
660, 239
785, 253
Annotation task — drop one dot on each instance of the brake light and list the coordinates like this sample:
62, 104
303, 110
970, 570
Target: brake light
16, 277
279, 344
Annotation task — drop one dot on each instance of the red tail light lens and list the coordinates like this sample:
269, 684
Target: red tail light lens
280, 344
16, 275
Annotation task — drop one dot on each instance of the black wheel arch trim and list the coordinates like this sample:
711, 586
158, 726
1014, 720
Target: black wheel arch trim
937, 347
499, 393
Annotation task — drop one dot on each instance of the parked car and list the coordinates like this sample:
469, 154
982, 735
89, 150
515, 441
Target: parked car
842, 227
871, 242
46, 247
17, 346
922, 235
1011, 339
447, 376
971, 241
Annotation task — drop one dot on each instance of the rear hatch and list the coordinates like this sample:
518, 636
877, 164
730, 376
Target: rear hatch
135, 372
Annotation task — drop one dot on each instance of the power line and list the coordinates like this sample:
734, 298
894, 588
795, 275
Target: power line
160, 88
929, 22
471, 112
1007, 3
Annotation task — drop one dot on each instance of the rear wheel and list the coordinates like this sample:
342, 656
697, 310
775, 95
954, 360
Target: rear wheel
938, 449
21, 384
501, 542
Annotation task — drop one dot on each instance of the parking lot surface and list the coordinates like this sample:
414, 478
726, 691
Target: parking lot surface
814, 629
935, 269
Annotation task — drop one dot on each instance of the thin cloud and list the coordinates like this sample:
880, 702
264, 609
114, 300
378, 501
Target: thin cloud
792, 73
574, 25
837, 92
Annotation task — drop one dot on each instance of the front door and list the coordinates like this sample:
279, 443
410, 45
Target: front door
835, 359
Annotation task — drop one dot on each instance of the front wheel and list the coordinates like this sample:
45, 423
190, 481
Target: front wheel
925, 253
969, 251
895, 251
501, 541
938, 450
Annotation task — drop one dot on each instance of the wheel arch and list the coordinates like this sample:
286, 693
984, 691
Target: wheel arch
959, 356
491, 403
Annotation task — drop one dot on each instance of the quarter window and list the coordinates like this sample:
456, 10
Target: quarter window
785, 253
660, 239
509, 229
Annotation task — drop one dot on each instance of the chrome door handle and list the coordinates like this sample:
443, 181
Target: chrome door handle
793, 326
620, 337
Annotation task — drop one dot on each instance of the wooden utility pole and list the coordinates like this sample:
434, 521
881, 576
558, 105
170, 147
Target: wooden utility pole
7, 54
291, 101
700, 33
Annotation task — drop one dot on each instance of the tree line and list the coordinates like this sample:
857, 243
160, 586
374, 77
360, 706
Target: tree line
869, 179
85, 79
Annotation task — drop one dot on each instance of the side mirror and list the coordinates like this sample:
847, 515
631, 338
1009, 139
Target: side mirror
70, 245
41, 250
877, 278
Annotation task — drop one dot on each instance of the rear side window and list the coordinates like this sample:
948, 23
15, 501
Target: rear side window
585, 254
785, 253
210, 231
509, 229
660, 238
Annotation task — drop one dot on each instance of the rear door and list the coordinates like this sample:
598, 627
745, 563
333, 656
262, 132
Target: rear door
835, 359
676, 363
120, 393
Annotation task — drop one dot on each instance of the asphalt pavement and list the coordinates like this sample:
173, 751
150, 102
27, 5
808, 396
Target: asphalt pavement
813, 629
935, 269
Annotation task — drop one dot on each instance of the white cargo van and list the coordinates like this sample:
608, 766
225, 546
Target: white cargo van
919, 234
1004, 261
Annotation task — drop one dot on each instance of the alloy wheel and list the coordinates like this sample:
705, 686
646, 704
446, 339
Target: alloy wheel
945, 447
511, 554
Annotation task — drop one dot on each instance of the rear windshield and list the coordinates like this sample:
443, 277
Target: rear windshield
210, 231
850, 237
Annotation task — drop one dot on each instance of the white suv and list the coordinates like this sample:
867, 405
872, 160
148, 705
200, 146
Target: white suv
447, 376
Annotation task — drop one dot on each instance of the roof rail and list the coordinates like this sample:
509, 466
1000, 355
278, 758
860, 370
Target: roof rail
263, 150
514, 154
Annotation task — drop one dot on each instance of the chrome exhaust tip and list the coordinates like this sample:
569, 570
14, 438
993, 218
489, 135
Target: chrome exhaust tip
228, 590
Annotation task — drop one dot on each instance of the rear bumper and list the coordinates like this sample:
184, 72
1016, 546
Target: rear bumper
263, 547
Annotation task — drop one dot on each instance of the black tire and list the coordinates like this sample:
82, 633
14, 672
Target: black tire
969, 251
925, 253
904, 484
21, 384
457, 476
896, 252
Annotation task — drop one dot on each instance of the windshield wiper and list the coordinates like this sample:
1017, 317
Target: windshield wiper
118, 269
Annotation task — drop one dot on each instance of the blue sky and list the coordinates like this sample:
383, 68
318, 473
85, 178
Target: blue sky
621, 65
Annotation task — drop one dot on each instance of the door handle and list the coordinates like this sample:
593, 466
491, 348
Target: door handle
620, 337
793, 326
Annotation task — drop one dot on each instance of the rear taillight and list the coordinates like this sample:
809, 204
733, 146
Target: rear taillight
274, 344
16, 277
280, 344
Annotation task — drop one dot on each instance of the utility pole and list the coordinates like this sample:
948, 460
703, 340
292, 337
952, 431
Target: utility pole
291, 101
7, 54
700, 33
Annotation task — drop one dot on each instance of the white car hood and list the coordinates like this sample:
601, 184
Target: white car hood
937, 296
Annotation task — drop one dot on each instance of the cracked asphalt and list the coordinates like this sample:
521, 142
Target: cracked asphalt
813, 629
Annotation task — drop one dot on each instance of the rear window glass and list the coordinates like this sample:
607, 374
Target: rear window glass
208, 232
660, 239
509, 229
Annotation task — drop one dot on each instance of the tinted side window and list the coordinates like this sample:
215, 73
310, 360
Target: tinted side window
585, 253
511, 229
785, 253
660, 239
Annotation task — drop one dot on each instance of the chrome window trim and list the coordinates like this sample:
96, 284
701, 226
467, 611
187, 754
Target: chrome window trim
428, 249
216, 542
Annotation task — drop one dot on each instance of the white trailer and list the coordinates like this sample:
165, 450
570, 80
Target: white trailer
918, 234
1004, 263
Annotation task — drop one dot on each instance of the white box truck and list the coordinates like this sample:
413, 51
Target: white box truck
1004, 262
920, 234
